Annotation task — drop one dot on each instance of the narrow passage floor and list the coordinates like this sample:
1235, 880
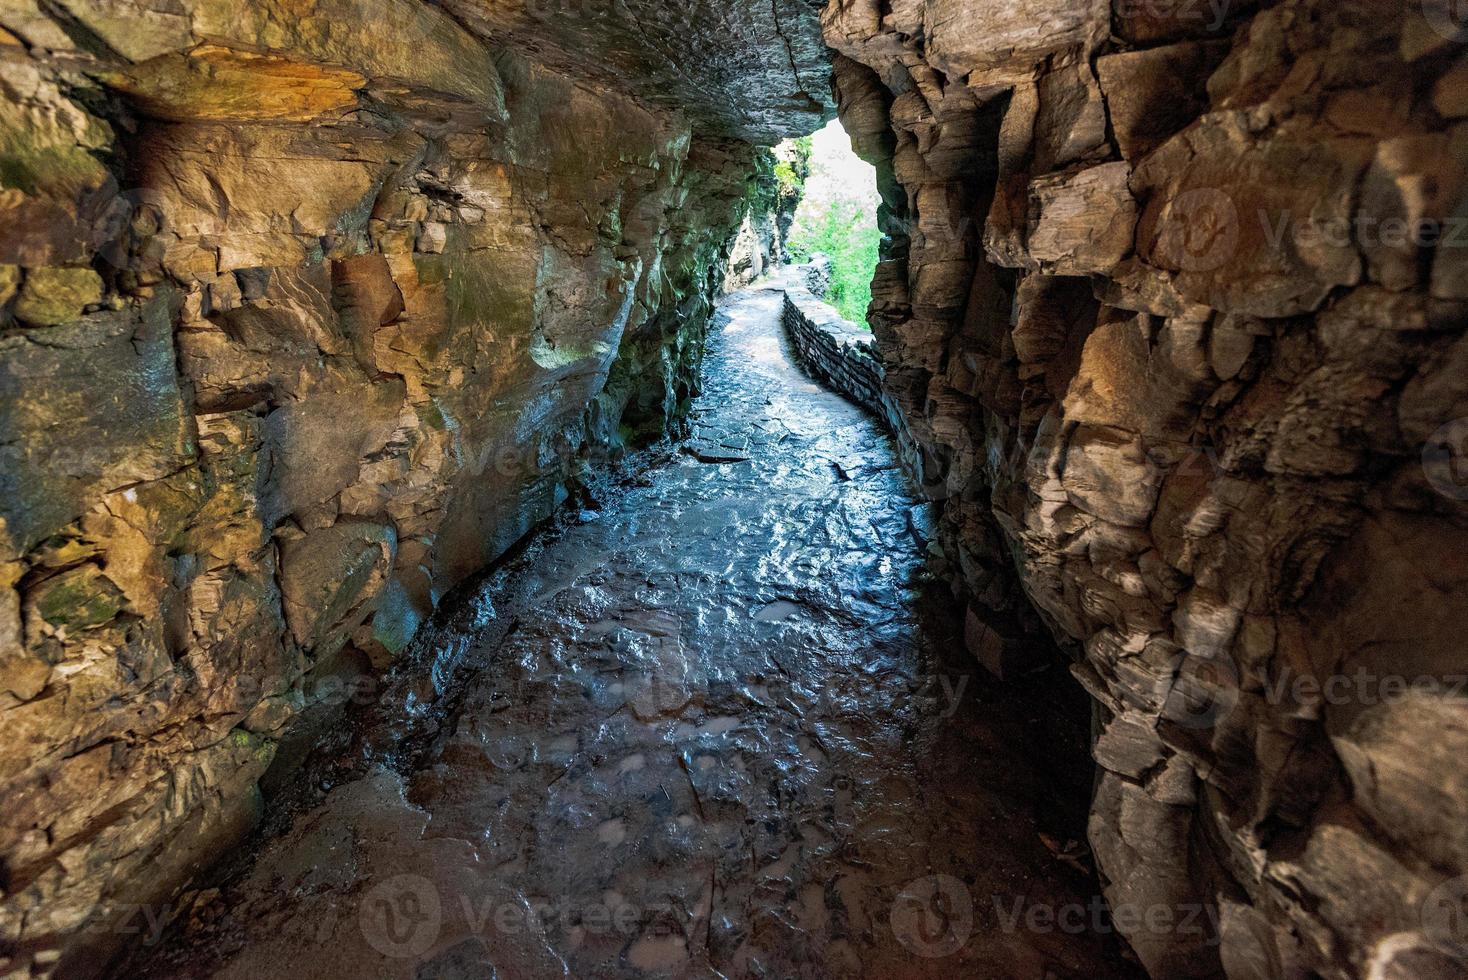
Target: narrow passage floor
732, 734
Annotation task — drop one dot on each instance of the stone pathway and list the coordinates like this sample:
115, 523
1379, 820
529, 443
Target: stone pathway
731, 739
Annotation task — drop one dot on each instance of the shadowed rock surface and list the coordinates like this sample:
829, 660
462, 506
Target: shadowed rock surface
310, 310
1192, 397
724, 738
758, 71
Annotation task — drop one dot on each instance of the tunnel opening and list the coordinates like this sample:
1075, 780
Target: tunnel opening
836, 222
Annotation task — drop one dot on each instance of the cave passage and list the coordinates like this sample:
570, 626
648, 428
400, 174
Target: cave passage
732, 733
420, 556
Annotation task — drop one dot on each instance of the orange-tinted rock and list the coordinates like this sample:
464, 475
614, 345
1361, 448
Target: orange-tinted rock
212, 82
1153, 93
310, 311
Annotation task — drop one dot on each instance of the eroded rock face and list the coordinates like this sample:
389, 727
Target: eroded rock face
1160, 335
760, 247
675, 767
309, 312
312, 307
756, 70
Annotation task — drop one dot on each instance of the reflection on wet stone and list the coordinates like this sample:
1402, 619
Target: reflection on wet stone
727, 738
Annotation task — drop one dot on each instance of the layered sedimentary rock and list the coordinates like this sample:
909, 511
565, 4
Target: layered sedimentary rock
1172, 313
754, 70
310, 308
760, 247
308, 311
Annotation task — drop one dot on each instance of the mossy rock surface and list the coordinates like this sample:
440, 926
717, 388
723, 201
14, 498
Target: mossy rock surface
79, 599
53, 296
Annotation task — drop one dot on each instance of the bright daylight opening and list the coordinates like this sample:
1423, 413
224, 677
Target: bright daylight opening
838, 218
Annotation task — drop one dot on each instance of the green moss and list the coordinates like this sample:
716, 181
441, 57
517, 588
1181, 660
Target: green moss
14, 173
9, 282
431, 269
53, 296
479, 289
79, 599
432, 416
43, 155
792, 168
785, 173
44, 170
263, 749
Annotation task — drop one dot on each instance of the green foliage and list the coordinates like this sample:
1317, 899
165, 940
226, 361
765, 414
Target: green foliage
794, 166
845, 230
786, 175
791, 170
765, 184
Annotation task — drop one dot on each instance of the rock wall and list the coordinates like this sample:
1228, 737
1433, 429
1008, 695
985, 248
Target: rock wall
836, 352
310, 308
1173, 311
308, 311
759, 248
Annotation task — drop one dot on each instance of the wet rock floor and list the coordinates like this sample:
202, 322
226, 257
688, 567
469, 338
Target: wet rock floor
732, 734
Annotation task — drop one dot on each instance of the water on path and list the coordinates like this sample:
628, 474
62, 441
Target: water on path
731, 735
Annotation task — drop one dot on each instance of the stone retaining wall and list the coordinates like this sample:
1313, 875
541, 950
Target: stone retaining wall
832, 349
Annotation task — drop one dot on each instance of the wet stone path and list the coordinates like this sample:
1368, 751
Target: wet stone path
731, 739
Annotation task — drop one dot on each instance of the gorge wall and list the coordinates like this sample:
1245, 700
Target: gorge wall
1172, 311
308, 311
760, 246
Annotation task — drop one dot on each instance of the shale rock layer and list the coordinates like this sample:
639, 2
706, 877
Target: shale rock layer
1172, 317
